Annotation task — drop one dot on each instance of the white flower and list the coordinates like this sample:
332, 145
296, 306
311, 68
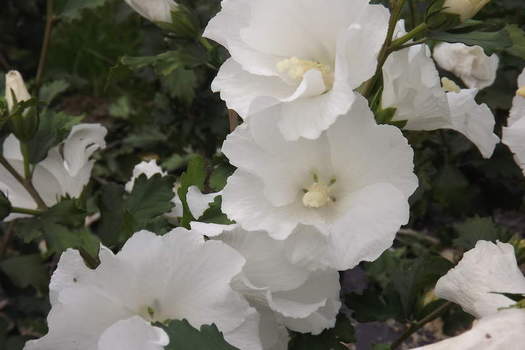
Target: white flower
351, 185
197, 201
14, 83
65, 171
503, 330
514, 133
152, 279
154, 10
470, 63
299, 299
483, 272
308, 55
412, 86
466, 9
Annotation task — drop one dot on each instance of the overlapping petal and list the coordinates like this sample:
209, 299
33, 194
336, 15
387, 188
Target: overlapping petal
478, 280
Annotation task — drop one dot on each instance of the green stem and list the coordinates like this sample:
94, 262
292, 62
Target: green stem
25, 211
408, 36
25, 154
28, 185
45, 44
397, 6
419, 324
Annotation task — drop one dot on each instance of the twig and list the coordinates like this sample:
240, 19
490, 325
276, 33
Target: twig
419, 324
234, 119
28, 185
45, 45
418, 235
27, 211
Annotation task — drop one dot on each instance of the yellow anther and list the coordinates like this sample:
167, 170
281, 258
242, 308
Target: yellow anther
296, 68
449, 85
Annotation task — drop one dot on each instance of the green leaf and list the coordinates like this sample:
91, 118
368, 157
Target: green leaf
219, 176
111, 205
474, 229
150, 198
374, 305
60, 238
333, 339
181, 84
489, 41
5, 206
414, 277
26, 270
53, 129
184, 337
72, 9
51, 90
517, 36
121, 108
195, 175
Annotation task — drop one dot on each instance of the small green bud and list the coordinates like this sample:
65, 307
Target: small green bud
24, 121
184, 23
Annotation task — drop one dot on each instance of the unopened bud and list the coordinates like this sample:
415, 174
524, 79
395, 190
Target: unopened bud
15, 89
465, 9
23, 118
154, 10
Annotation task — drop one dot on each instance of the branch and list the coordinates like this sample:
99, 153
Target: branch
28, 185
45, 45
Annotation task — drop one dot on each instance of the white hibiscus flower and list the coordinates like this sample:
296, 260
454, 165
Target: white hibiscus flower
65, 171
197, 201
514, 133
297, 298
470, 63
503, 330
483, 272
152, 279
412, 86
154, 10
307, 55
350, 186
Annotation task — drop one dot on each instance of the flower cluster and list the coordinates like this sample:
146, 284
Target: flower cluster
320, 185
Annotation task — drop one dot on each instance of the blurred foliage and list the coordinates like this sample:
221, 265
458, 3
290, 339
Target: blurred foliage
152, 91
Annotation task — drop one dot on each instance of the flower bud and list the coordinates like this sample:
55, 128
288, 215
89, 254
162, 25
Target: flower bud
466, 9
23, 119
154, 10
15, 89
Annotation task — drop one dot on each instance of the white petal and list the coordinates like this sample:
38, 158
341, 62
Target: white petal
322, 319
470, 63
374, 215
503, 330
364, 152
71, 270
484, 271
82, 142
513, 134
240, 88
133, 334
243, 201
247, 335
413, 87
474, 121
308, 299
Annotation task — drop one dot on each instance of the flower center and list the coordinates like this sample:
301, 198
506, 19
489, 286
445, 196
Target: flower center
521, 91
449, 85
318, 194
296, 68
